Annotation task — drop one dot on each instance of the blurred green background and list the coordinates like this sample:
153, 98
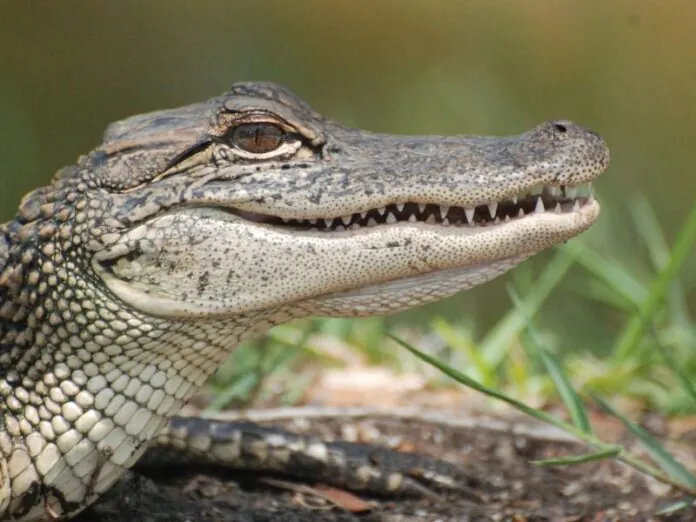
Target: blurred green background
626, 69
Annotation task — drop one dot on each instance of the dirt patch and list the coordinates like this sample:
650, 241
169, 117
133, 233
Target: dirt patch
498, 459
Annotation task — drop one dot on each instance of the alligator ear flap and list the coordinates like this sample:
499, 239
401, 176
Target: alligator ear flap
180, 159
120, 170
140, 148
126, 164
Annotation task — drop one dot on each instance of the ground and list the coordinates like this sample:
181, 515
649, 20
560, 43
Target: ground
495, 454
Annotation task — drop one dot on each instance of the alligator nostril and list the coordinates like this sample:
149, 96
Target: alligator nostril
560, 127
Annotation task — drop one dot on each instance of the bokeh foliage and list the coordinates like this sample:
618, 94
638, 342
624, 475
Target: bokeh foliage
626, 69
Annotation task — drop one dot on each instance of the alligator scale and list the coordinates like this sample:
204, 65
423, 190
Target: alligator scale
125, 282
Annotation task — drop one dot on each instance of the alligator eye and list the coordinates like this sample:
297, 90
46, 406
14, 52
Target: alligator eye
257, 138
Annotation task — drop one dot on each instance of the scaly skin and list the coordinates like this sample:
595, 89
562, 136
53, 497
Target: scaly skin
125, 283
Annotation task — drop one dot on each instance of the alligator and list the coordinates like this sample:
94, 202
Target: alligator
128, 280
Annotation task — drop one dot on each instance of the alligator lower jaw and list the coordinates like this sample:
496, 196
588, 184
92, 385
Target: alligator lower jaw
556, 199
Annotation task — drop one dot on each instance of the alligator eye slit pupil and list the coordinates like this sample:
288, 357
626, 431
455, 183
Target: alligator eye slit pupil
257, 138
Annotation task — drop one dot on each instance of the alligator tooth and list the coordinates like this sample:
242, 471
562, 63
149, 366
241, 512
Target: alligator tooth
493, 208
520, 213
346, 219
514, 200
443, 211
421, 207
571, 192
371, 222
363, 215
328, 222
557, 208
507, 218
539, 206
576, 206
412, 218
469, 212
354, 226
339, 228
391, 218
496, 221
430, 219
400, 206
445, 222
381, 210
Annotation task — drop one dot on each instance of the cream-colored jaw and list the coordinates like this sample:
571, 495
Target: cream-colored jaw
237, 266
544, 230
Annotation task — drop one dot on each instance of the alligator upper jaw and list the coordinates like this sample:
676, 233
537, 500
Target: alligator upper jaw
560, 200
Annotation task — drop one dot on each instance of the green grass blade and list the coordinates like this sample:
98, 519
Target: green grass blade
657, 247
689, 486
674, 507
634, 331
656, 451
471, 383
495, 345
572, 402
240, 388
457, 340
677, 368
256, 363
610, 272
580, 459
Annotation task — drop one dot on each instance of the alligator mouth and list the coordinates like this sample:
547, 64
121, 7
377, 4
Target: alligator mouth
561, 199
